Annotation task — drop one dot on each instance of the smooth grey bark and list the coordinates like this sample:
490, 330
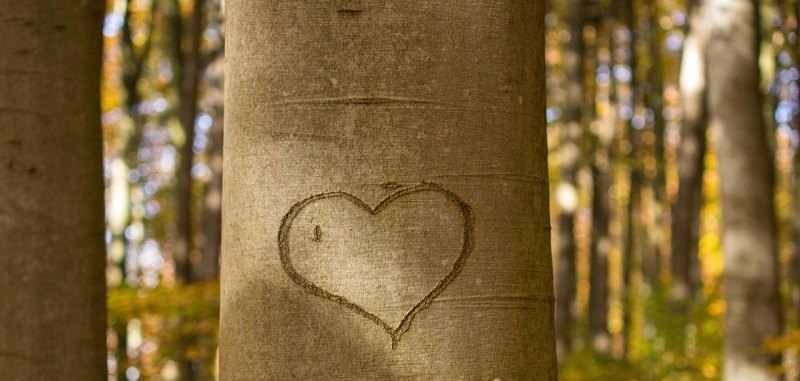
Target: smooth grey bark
746, 173
567, 188
384, 158
685, 263
52, 252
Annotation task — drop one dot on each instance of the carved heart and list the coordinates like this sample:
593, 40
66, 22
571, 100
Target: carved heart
302, 280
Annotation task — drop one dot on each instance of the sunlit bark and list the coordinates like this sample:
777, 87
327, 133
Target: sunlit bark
385, 202
746, 174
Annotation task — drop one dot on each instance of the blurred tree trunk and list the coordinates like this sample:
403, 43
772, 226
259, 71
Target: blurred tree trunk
629, 260
601, 244
119, 193
212, 192
188, 63
567, 189
129, 135
368, 102
794, 270
186, 44
52, 253
629, 252
746, 188
685, 263
212, 203
654, 100
599, 336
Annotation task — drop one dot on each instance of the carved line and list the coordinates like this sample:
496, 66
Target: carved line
502, 176
405, 323
317, 234
358, 99
391, 102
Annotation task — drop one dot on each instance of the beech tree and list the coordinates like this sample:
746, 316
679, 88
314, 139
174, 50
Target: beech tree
188, 63
52, 254
746, 173
686, 210
385, 208
567, 189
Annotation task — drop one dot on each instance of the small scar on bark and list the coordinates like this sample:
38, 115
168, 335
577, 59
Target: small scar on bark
14, 142
548, 228
60, 27
317, 234
350, 12
391, 185
368, 100
32, 170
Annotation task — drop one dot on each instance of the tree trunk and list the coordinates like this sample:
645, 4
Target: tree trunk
601, 245
633, 207
52, 252
212, 203
691, 152
185, 44
212, 192
629, 260
654, 100
746, 172
118, 214
127, 144
794, 269
601, 241
188, 62
385, 209
567, 189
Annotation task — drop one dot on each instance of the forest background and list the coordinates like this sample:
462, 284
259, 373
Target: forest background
636, 212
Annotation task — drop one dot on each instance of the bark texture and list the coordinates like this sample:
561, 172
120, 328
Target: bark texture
52, 253
746, 173
385, 208
685, 264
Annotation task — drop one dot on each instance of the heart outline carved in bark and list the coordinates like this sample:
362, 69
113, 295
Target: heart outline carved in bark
405, 323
